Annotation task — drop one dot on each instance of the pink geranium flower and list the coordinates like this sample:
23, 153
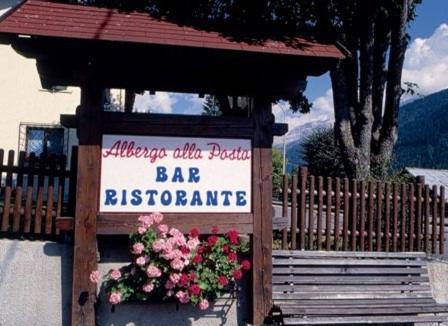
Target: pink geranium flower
175, 232
146, 220
148, 287
175, 277
115, 274
115, 297
140, 261
169, 285
163, 228
141, 230
183, 296
95, 276
203, 305
153, 271
158, 245
138, 248
177, 264
192, 244
157, 217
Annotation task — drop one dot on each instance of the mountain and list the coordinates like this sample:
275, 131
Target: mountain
423, 133
294, 139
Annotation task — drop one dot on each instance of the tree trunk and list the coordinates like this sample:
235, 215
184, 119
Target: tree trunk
129, 99
389, 130
343, 115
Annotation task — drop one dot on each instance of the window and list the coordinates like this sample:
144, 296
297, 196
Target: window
46, 140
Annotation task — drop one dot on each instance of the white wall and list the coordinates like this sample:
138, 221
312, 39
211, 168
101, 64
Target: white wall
22, 98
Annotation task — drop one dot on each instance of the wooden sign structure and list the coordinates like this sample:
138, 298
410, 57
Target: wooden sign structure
106, 48
93, 124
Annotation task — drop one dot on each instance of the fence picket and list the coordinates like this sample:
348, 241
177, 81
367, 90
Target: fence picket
18, 197
61, 188
411, 216
40, 197
395, 226
354, 213
403, 217
302, 209
311, 213
419, 217
427, 215
346, 214
8, 192
29, 194
294, 213
362, 215
320, 202
379, 213
387, 222
285, 211
328, 215
337, 209
442, 221
370, 215
49, 201
434, 219
72, 183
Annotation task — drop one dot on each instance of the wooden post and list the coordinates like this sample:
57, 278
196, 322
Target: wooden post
85, 246
379, 214
442, 222
262, 210
427, 214
302, 209
337, 209
320, 203
354, 213
311, 215
294, 212
285, 211
370, 214
362, 215
420, 179
403, 217
328, 216
411, 217
434, 220
387, 209
346, 212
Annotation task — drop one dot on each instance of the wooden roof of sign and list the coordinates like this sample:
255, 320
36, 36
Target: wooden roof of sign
50, 19
66, 37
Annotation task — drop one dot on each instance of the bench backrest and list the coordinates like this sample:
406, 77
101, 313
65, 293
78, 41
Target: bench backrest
309, 275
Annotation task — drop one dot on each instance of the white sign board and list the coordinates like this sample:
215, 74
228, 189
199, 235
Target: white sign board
175, 174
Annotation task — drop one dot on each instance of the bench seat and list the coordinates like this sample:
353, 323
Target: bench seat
334, 288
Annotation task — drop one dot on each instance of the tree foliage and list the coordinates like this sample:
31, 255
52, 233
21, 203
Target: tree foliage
322, 155
277, 170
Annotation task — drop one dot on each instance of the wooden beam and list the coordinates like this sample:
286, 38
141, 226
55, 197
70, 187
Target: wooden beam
113, 223
262, 210
85, 246
137, 123
65, 223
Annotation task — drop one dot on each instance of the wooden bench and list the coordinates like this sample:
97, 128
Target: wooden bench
333, 288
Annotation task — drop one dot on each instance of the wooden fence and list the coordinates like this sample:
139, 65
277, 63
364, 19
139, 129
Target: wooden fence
343, 214
34, 192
